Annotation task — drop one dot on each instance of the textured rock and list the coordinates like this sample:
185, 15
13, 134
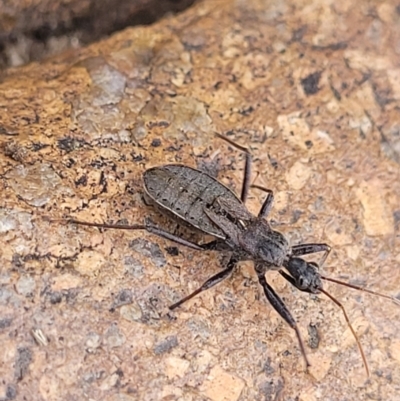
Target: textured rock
312, 90
31, 30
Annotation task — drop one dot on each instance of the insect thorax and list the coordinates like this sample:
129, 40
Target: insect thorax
265, 244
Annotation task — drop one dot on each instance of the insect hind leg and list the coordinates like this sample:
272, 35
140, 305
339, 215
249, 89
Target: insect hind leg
150, 228
268, 202
247, 166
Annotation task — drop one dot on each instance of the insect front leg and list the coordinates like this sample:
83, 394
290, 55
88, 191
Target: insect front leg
211, 282
281, 308
306, 249
305, 277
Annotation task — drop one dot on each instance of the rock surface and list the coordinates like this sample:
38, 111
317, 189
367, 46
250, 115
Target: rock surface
313, 90
31, 30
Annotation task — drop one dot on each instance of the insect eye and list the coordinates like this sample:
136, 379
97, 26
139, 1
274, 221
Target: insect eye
302, 282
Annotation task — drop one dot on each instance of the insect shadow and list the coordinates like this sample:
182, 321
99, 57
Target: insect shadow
209, 206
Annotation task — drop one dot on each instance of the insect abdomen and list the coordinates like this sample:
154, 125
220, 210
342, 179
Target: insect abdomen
186, 192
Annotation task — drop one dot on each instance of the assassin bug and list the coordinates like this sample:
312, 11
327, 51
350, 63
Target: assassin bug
207, 205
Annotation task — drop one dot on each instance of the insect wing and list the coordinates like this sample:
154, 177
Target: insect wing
187, 192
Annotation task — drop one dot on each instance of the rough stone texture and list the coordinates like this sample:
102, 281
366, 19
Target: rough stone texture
313, 89
31, 30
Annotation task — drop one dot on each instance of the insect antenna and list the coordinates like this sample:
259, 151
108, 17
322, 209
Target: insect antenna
350, 327
356, 287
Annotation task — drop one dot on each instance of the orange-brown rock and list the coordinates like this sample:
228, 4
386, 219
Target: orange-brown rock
312, 89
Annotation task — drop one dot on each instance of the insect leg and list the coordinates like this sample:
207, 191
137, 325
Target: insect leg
246, 178
295, 284
267, 205
281, 308
165, 234
148, 227
247, 166
216, 245
214, 280
305, 249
